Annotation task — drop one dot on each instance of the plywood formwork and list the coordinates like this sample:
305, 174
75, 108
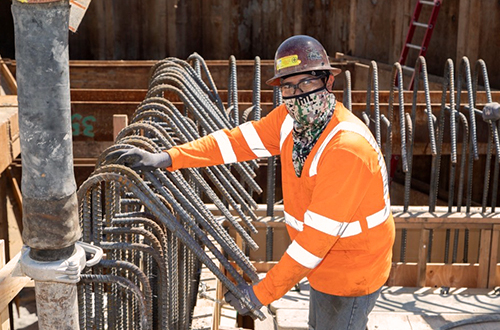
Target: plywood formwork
216, 29
119, 98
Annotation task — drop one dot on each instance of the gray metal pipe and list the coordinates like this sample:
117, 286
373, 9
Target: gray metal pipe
52, 299
50, 213
50, 206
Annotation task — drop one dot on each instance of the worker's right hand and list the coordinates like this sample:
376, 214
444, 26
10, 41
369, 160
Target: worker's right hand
247, 291
138, 159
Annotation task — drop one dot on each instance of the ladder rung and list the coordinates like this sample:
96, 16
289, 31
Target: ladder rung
430, 3
413, 46
408, 68
421, 24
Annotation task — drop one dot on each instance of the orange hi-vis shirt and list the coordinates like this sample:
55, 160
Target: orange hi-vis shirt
337, 213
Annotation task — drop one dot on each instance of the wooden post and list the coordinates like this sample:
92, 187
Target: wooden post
219, 296
495, 237
4, 220
422, 257
4, 314
484, 258
119, 123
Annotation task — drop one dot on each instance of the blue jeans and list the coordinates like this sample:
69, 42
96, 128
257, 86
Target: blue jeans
329, 312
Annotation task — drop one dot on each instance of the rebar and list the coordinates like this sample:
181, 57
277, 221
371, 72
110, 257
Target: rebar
158, 231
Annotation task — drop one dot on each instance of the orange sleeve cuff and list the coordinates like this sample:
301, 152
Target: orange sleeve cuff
173, 154
262, 293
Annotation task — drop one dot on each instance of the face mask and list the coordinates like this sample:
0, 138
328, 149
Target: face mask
310, 107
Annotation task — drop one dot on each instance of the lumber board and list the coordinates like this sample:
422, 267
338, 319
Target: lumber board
5, 143
246, 95
18, 197
4, 314
495, 242
467, 41
422, 257
9, 285
7, 76
484, 258
119, 123
86, 149
9, 131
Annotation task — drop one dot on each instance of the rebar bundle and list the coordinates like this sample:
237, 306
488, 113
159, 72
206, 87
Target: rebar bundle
154, 226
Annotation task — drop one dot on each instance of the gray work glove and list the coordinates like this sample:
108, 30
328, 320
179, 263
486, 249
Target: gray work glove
247, 290
138, 159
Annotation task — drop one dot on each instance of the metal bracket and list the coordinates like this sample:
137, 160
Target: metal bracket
491, 111
64, 271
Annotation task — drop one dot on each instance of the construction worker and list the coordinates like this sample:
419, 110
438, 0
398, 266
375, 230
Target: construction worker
335, 189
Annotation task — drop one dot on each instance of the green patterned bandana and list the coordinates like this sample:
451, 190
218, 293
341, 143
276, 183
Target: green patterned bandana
311, 113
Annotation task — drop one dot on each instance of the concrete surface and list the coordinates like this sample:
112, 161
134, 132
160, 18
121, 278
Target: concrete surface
403, 308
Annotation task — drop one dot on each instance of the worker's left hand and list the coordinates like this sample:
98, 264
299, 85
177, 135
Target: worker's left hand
138, 159
247, 290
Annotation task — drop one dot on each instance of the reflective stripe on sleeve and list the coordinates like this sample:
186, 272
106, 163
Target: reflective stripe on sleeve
253, 140
302, 256
330, 226
294, 223
225, 147
286, 128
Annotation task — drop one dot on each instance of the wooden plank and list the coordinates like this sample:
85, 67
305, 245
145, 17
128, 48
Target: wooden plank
9, 285
219, 296
358, 98
297, 22
84, 149
468, 30
484, 258
463, 29
4, 219
93, 121
5, 142
260, 239
495, 242
452, 275
9, 78
490, 24
422, 257
135, 74
403, 274
170, 28
352, 27
4, 314
119, 123
18, 197
400, 19
263, 266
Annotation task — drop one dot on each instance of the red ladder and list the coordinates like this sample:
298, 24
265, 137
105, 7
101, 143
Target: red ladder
436, 5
